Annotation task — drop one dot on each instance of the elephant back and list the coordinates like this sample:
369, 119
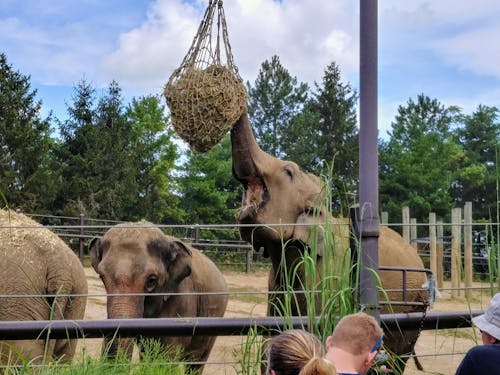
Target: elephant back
34, 260
36, 263
394, 251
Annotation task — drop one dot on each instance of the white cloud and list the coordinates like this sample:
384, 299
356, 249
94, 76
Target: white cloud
477, 51
306, 34
148, 54
461, 34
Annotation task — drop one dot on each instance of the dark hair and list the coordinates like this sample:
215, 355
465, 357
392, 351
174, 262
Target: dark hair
297, 352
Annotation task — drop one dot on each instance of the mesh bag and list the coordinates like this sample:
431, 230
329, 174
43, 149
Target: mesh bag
206, 95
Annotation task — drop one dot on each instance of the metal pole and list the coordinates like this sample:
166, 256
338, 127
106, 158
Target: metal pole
154, 327
368, 157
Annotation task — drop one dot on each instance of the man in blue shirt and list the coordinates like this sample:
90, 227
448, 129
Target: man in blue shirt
485, 359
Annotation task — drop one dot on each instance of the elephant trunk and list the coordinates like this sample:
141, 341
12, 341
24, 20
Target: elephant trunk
245, 150
122, 307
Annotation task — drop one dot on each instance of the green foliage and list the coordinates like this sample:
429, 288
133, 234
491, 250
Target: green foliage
209, 193
417, 163
153, 152
251, 353
117, 163
274, 100
93, 155
476, 178
155, 361
325, 133
26, 179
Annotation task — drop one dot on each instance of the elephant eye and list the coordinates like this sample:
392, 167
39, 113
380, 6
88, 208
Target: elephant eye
151, 283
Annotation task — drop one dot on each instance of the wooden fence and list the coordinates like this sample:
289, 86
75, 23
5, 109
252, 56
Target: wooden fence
461, 255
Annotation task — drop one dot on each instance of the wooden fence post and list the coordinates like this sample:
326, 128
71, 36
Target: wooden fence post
468, 248
406, 223
456, 252
384, 218
440, 253
413, 232
432, 244
82, 232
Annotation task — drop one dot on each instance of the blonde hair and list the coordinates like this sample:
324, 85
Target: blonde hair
356, 333
297, 352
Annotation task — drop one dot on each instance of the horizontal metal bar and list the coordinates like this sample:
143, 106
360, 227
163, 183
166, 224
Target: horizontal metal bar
41, 329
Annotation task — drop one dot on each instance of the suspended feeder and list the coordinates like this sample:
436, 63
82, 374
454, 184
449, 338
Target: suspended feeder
206, 95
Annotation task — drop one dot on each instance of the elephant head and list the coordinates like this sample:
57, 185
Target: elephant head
275, 192
133, 263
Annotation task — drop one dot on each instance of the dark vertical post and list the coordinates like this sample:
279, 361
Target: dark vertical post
368, 223
82, 223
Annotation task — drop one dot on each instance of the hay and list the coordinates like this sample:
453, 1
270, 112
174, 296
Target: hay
204, 104
206, 95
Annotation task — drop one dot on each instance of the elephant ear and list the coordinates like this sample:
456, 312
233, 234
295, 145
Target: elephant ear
308, 231
97, 247
176, 257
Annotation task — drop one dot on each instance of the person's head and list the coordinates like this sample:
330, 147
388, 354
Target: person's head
355, 342
489, 322
297, 352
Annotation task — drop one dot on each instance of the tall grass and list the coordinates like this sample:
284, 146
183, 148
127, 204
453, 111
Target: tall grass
155, 361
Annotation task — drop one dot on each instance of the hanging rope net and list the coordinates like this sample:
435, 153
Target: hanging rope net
206, 95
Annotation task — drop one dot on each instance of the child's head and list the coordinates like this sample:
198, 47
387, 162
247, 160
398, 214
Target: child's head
357, 334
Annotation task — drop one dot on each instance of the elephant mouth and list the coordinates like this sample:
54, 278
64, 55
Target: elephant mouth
255, 197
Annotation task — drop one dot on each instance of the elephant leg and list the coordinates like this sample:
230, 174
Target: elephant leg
64, 350
26, 351
401, 345
69, 309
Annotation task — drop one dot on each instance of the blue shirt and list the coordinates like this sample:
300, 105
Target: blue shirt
481, 360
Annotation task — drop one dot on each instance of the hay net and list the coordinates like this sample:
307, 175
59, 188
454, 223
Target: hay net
205, 94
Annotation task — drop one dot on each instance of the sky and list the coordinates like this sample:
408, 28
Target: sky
445, 49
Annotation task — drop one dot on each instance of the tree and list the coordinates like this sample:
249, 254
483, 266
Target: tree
26, 180
209, 193
153, 153
417, 163
94, 155
325, 135
274, 100
477, 177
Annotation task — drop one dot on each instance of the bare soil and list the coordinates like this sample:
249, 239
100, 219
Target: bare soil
439, 351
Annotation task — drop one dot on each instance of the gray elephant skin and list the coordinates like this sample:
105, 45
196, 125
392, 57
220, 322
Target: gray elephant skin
140, 258
279, 192
34, 261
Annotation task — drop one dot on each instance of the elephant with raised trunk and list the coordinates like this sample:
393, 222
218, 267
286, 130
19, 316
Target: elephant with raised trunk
37, 264
139, 259
279, 192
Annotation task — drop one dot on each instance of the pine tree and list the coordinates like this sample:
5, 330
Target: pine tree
477, 177
274, 100
26, 180
417, 163
153, 154
325, 136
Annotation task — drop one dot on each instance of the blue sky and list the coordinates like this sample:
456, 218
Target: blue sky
446, 49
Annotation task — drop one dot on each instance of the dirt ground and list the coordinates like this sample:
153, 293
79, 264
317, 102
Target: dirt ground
440, 351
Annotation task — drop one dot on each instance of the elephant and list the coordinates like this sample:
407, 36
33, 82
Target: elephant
139, 258
35, 262
278, 192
